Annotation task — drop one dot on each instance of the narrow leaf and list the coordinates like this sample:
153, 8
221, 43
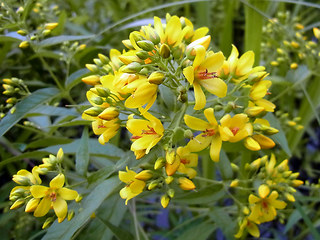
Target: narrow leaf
62, 38
25, 106
82, 154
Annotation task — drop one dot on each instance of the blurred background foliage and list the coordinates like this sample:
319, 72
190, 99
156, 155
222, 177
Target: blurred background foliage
51, 67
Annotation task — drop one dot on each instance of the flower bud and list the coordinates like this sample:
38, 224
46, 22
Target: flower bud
60, 155
24, 44
170, 193
188, 134
22, 32
17, 204
104, 59
253, 111
289, 197
127, 44
132, 68
48, 222
160, 162
143, 55
316, 32
293, 65
32, 204
146, 45
92, 67
109, 113
274, 63
79, 198
144, 175
164, 51
251, 144
234, 167
91, 80
234, 183
46, 32
186, 184
170, 156
50, 26
70, 215
169, 179
93, 111
98, 62
294, 44
153, 185
156, 78
97, 100
296, 183
165, 201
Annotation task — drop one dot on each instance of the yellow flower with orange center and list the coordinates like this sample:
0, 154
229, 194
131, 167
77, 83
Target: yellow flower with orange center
210, 134
134, 186
203, 74
250, 226
236, 128
264, 207
54, 196
146, 133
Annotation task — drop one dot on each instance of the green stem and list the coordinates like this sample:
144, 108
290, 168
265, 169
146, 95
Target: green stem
56, 80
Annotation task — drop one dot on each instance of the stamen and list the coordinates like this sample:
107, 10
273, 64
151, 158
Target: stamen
206, 74
235, 130
184, 161
208, 132
53, 196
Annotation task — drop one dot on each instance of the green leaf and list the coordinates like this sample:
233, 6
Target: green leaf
199, 231
221, 217
48, 141
62, 38
292, 220
4, 38
89, 205
102, 173
95, 149
53, 111
280, 137
33, 155
82, 154
75, 78
205, 195
25, 106
119, 232
224, 166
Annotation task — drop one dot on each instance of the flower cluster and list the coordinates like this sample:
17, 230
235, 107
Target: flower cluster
169, 82
40, 199
15, 89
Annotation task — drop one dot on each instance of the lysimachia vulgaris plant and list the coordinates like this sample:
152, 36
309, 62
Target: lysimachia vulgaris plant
189, 104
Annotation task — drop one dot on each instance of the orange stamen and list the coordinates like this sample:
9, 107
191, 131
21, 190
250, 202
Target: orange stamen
209, 132
206, 75
184, 161
235, 130
53, 196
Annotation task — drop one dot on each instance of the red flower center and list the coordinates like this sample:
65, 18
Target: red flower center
206, 75
184, 161
209, 132
235, 130
150, 131
53, 196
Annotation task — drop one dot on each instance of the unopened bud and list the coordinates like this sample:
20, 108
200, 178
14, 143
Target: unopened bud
186, 184
70, 215
294, 44
97, 100
293, 65
109, 113
104, 59
143, 55
153, 185
102, 91
22, 32
156, 78
50, 26
98, 62
60, 155
92, 67
24, 44
234, 183
146, 45
170, 193
127, 44
48, 222
18, 203
164, 51
93, 111
169, 179
160, 162
289, 197
188, 134
234, 167
132, 68
165, 201
144, 175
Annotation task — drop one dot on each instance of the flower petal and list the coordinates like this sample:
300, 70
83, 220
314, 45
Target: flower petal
199, 96
60, 208
67, 194
199, 143
214, 62
58, 181
264, 191
196, 123
38, 191
215, 148
43, 207
215, 86
209, 113
245, 63
188, 72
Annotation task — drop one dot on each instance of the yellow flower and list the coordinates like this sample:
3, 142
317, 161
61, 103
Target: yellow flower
203, 73
190, 32
250, 226
172, 33
257, 93
239, 68
236, 128
145, 93
186, 184
264, 207
209, 136
183, 162
146, 133
54, 196
106, 129
134, 186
